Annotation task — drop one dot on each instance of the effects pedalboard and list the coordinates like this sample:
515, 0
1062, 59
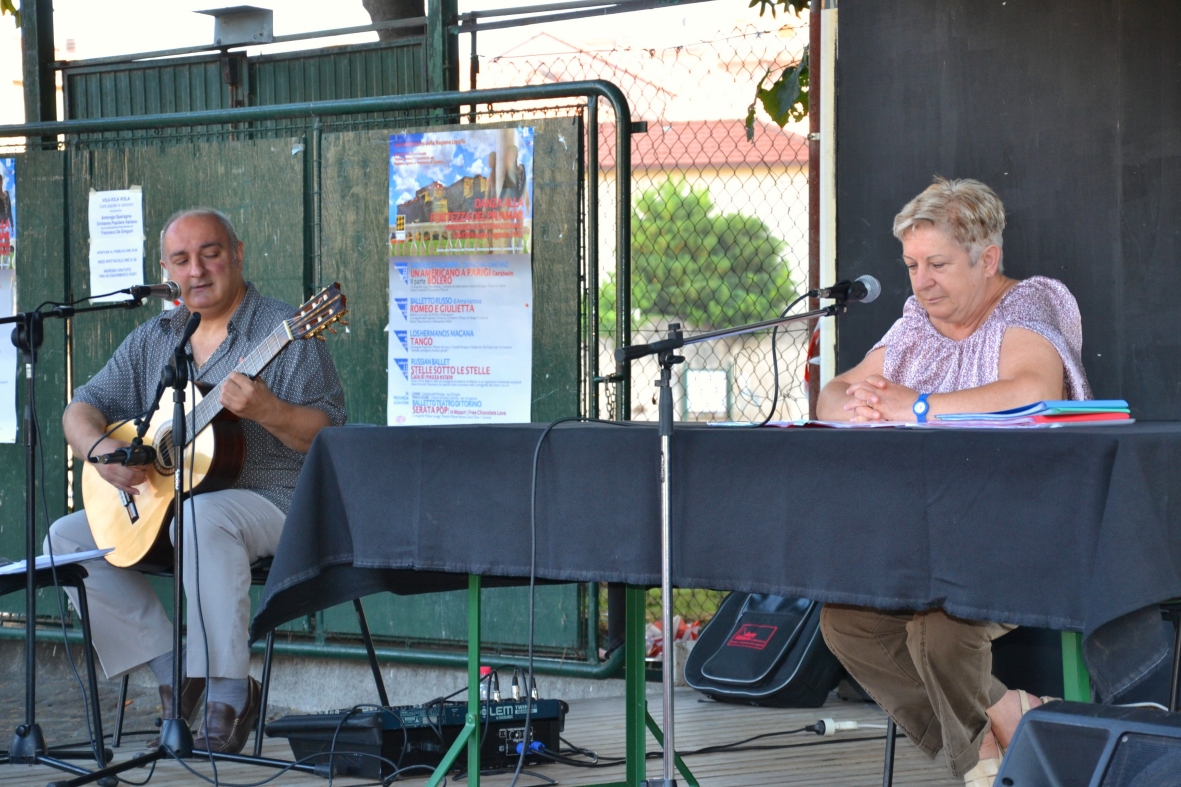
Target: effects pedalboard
419, 735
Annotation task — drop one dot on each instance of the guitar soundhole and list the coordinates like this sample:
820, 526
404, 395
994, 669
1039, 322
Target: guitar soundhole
164, 453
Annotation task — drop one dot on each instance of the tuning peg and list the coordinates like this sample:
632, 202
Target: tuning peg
333, 330
344, 322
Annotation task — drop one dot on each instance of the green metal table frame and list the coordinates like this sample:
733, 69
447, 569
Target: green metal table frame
637, 721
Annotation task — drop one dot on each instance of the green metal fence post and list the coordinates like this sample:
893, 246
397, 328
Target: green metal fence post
1076, 681
636, 706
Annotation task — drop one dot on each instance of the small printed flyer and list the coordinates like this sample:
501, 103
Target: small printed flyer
116, 221
8, 353
461, 277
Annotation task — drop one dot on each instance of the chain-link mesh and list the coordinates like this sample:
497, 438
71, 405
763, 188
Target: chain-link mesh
720, 223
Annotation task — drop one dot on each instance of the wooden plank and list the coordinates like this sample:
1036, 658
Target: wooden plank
853, 761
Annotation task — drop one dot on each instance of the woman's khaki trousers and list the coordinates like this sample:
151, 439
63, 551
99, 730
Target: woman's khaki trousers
931, 672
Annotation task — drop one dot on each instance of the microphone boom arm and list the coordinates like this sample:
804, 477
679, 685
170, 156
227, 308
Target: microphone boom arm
634, 351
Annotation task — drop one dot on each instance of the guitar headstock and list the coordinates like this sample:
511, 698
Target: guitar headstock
318, 314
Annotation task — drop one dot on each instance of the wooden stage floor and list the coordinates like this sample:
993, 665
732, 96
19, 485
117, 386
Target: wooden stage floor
849, 759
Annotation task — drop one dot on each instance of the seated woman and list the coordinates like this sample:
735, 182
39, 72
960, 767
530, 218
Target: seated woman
970, 340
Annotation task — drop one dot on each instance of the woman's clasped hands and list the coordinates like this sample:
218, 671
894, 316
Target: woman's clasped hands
877, 399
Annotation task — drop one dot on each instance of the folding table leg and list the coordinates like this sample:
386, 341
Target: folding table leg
1076, 681
469, 736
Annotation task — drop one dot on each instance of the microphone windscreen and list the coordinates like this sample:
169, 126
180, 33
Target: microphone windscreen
873, 288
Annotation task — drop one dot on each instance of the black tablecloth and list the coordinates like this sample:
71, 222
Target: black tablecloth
1067, 528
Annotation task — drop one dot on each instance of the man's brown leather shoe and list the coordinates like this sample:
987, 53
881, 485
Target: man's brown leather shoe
227, 729
191, 691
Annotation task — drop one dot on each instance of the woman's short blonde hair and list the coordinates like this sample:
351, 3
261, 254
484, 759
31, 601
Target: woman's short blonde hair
967, 210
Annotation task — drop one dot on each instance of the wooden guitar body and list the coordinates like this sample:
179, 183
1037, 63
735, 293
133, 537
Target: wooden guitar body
137, 526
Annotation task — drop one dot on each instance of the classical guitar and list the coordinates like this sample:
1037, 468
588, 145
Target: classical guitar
136, 526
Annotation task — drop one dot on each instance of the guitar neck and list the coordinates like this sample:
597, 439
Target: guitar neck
253, 364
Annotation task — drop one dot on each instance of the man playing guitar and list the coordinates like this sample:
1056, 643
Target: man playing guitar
281, 409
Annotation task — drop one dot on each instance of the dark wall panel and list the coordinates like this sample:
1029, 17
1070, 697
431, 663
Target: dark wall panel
1070, 110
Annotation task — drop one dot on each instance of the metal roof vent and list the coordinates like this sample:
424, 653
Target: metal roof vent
242, 24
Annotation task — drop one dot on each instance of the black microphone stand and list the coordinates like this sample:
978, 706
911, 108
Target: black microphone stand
665, 351
28, 743
176, 739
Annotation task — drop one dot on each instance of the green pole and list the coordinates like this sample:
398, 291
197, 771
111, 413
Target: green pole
1076, 681
636, 706
469, 735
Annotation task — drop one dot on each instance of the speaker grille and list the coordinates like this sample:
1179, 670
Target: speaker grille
1144, 761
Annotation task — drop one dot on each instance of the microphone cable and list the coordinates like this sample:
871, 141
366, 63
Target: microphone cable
97, 746
529, 678
775, 362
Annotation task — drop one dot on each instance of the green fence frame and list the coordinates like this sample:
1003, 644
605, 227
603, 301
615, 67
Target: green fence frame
592, 91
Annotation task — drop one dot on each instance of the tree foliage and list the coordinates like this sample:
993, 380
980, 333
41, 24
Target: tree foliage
787, 97
7, 7
691, 262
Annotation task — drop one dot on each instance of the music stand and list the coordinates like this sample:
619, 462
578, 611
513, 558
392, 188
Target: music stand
665, 351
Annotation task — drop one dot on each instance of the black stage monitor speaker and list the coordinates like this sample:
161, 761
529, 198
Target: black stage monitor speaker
1073, 744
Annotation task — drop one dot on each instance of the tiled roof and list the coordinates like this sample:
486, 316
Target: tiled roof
707, 143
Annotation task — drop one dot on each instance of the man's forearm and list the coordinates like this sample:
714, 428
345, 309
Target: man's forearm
295, 426
83, 425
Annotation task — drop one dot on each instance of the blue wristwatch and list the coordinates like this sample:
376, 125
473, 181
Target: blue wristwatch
920, 408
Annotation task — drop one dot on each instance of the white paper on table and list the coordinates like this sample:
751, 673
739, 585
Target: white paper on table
42, 561
115, 265
8, 361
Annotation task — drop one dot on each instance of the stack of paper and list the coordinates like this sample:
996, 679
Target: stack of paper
44, 561
1095, 412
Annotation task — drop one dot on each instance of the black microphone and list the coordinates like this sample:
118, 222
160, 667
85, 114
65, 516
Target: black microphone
865, 289
127, 456
190, 328
169, 291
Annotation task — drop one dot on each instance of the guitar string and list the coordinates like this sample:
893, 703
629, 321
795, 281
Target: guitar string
254, 363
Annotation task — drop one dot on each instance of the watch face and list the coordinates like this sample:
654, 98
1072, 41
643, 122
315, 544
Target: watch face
920, 407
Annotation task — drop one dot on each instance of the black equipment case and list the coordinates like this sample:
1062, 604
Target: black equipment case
764, 650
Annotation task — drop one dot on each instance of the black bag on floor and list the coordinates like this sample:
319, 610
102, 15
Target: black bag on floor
764, 650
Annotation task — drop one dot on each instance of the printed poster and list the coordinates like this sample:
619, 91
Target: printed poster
116, 242
8, 353
461, 278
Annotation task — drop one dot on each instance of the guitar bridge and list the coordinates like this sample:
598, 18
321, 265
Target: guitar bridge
129, 506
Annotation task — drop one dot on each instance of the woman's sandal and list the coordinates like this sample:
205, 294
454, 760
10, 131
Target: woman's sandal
1023, 696
983, 774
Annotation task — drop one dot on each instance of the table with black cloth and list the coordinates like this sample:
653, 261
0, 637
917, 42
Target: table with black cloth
1074, 529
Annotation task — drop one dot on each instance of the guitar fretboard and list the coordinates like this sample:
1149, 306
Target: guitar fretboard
208, 408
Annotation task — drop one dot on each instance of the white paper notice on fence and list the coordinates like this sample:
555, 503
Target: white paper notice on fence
116, 241
461, 277
8, 359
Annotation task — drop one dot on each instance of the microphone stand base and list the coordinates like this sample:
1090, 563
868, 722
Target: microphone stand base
27, 745
176, 736
659, 783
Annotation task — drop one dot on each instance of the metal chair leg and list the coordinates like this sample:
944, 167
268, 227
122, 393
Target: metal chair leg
373, 665
92, 678
117, 740
888, 768
1175, 617
266, 690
